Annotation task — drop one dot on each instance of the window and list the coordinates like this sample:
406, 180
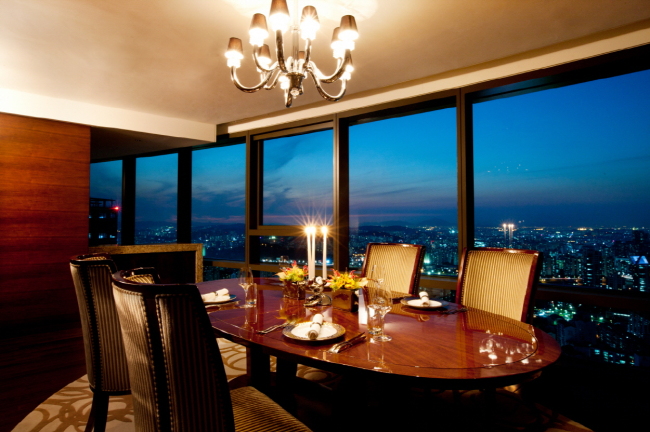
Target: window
219, 201
403, 186
297, 185
564, 171
156, 199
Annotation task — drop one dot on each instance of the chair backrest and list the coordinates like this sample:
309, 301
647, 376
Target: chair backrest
147, 275
177, 375
401, 263
499, 280
105, 359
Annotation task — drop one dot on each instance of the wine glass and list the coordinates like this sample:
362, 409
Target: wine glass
284, 262
245, 281
381, 302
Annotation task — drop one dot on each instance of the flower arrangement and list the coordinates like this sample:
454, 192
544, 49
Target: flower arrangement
293, 274
346, 280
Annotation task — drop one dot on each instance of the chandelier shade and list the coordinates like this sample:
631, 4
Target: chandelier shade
289, 71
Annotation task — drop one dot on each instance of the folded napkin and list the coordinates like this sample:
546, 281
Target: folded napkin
221, 295
424, 296
314, 328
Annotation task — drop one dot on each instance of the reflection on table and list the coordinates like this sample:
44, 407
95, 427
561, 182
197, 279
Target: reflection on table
472, 349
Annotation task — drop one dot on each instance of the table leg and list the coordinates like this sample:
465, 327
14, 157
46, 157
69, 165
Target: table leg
258, 367
285, 383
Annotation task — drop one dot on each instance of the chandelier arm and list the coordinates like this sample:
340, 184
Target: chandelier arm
259, 65
337, 74
233, 76
273, 81
324, 94
279, 51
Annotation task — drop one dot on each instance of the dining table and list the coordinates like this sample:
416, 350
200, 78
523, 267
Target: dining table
448, 347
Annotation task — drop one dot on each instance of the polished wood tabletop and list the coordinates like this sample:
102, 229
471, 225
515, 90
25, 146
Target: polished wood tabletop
472, 349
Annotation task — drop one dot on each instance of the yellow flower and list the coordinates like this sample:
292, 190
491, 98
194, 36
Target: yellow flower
293, 274
346, 281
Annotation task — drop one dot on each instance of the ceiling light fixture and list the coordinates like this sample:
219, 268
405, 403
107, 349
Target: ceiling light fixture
289, 72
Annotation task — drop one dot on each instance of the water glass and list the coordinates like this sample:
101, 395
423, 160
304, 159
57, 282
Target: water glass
251, 296
381, 302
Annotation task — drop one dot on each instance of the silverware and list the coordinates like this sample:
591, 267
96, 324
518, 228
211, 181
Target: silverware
342, 346
454, 311
273, 328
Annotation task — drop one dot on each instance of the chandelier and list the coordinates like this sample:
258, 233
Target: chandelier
290, 72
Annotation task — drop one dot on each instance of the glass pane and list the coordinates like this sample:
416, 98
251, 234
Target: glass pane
298, 179
600, 334
564, 171
156, 199
403, 187
272, 248
105, 203
214, 273
219, 201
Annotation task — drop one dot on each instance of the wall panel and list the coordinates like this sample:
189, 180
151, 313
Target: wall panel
44, 189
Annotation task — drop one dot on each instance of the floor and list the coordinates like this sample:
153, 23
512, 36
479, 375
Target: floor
33, 366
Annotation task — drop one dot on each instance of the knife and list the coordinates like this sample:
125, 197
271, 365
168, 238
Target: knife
349, 343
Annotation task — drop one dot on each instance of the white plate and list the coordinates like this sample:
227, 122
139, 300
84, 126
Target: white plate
232, 297
328, 331
417, 303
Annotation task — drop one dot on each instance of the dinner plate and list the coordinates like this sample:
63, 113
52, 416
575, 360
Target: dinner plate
232, 297
328, 331
416, 302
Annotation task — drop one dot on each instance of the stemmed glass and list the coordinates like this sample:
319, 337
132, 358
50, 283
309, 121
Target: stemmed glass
284, 262
246, 281
380, 302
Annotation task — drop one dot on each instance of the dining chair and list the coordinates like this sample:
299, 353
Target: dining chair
177, 373
105, 358
401, 265
499, 280
147, 275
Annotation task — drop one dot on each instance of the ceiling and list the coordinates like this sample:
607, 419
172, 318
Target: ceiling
165, 57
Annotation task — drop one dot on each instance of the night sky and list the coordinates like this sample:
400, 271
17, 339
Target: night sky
571, 156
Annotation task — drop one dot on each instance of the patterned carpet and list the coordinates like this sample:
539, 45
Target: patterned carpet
67, 410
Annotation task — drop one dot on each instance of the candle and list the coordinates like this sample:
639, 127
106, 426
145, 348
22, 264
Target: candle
312, 263
324, 231
311, 252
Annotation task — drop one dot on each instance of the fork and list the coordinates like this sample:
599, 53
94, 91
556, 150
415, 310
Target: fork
273, 328
455, 311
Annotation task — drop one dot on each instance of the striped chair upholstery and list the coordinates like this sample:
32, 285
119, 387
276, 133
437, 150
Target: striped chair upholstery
177, 374
145, 275
501, 281
401, 263
105, 357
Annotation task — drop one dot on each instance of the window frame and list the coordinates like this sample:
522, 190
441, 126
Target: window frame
603, 66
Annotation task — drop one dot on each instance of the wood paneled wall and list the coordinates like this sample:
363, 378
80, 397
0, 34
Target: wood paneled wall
44, 189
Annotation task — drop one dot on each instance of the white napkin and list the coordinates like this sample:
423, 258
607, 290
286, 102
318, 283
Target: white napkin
221, 295
314, 328
424, 296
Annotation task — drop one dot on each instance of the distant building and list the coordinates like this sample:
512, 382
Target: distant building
102, 222
639, 271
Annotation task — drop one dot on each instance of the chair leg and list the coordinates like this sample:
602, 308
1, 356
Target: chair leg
98, 413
